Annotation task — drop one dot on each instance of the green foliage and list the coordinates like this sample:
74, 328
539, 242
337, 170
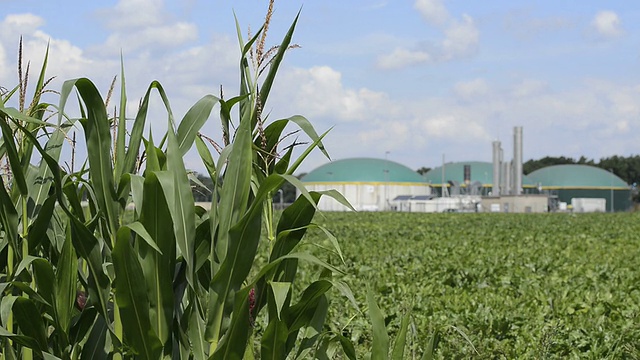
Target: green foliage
509, 286
168, 279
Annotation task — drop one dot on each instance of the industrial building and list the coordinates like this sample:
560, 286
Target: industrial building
564, 183
479, 182
472, 186
368, 184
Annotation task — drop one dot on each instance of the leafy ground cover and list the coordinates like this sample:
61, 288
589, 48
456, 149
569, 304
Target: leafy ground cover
550, 286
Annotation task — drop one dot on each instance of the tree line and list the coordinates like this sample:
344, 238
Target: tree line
627, 168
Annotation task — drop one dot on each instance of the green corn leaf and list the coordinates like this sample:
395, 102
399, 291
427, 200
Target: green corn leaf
235, 190
180, 201
38, 229
15, 114
9, 220
153, 161
314, 328
38, 90
336, 195
380, 345
129, 163
23, 340
308, 129
137, 189
44, 279
95, 346
142, 233
347, 347
274, 341
243, 239
88, 246
28, 318
83, 239
196, 332
98, 140
401, 339
302, 312
207, 160
119, 151
6, 306
275, 63
306, 153
233, 345
429, 352
132, 298
158, 266
280, 293
193, 121
225, 115
14, 160
41, 183
65, 285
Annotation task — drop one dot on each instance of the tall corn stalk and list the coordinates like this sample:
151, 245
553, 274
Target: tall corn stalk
83, 277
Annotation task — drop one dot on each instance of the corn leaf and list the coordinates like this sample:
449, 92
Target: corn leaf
158, 265
380, 344
28, 318
274, 341
65, 285
193, 121
401, 339
14, 160
98, 140
133, 302
129, 163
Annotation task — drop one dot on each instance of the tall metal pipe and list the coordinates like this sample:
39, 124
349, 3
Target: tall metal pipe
517, 160
496, 169
506, 172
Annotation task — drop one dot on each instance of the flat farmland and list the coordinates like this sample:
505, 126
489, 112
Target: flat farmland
546, 286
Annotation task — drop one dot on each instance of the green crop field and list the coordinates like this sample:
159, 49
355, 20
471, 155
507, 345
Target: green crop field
550, 286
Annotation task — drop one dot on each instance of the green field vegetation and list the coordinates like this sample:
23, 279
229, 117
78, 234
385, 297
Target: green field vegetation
516, 285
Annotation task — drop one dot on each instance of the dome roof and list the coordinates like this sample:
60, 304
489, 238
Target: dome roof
481, 171
576, 176
363, 170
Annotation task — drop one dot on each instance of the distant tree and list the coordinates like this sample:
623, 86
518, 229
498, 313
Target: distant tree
532, 165
423, 170
202, 194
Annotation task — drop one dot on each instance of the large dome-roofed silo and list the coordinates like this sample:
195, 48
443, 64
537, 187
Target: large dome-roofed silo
369, 184
480, 171
584, 181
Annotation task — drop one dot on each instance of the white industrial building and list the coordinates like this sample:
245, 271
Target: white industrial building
368, 184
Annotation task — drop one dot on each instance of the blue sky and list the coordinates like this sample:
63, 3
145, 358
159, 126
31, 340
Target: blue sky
417, 78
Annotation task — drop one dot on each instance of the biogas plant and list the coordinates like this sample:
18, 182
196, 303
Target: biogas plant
474, 186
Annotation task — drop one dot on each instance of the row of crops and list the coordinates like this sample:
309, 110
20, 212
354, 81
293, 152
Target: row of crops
493, 285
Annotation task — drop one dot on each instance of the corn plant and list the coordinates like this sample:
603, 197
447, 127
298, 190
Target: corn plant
84, 277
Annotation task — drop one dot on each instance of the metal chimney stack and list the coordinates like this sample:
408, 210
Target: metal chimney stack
496, 168
517, 160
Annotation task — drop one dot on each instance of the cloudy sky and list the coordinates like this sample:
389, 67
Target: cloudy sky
415, 78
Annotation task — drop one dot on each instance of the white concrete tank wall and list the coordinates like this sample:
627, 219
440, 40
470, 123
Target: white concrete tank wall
366, 196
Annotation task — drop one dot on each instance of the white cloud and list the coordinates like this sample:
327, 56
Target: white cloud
319, 92
155, 37
134, 14
13, 25
433, 11
401, 58
470, 90
143, 25
461, 38
607, 24
529, 87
